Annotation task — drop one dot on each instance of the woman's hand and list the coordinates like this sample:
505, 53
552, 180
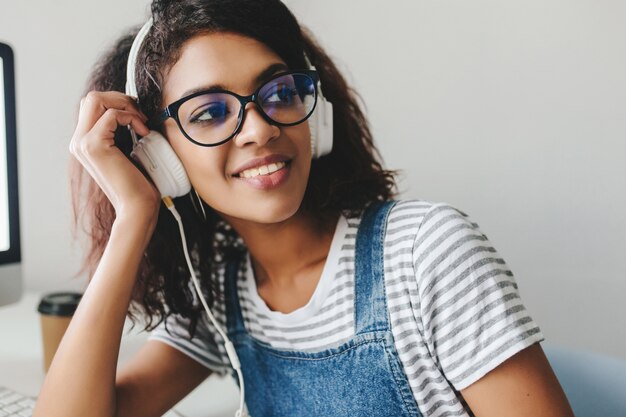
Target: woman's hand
128, 190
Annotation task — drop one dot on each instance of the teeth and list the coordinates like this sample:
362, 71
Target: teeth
262, 170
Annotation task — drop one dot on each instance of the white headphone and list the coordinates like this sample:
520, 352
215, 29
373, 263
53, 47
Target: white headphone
160, 161
162, 164
153, 151
321, 122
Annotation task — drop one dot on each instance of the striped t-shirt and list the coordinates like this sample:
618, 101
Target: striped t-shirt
454, 306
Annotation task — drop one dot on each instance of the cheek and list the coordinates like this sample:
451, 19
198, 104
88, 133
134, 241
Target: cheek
303, 133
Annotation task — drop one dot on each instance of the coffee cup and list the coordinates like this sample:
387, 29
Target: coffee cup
56, 311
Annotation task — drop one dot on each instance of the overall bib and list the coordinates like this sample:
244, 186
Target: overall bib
362, 377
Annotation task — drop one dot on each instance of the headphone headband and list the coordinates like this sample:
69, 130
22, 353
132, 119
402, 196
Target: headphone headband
131, 86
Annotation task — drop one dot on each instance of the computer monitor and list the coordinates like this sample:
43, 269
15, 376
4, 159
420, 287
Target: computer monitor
10, 254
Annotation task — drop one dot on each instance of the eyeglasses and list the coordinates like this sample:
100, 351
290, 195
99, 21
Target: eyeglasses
213, 117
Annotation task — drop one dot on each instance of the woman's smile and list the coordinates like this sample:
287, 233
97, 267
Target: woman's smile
264, 173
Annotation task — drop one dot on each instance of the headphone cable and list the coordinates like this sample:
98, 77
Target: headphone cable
230, 349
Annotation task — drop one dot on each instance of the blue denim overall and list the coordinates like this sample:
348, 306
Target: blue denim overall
362, 377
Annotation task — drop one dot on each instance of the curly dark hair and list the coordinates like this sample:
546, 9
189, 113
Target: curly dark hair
344, 181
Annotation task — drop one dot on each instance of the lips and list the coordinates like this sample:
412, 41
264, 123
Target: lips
260, 162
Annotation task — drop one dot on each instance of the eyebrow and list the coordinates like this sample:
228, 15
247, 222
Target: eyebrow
263, 75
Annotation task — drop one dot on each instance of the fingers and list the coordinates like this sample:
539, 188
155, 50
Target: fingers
102, 134
106, 126
101, 112
94, 105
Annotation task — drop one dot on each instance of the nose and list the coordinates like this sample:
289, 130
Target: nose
254, 128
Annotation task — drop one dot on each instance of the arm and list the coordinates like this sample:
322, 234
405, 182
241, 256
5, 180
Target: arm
82, 380
82, 377
523, 385
475, 324
155, 380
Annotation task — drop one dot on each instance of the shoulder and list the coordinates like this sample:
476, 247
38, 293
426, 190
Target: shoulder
430, 235
415, 217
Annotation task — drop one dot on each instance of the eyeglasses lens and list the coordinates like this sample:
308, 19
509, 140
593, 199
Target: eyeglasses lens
288, 99
213, 117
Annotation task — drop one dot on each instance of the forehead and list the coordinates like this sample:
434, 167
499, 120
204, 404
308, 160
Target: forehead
229, 60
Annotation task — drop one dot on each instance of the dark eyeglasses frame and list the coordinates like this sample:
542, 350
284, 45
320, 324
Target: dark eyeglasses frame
172, 109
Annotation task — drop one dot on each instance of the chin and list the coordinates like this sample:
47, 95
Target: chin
275, 213
262, 211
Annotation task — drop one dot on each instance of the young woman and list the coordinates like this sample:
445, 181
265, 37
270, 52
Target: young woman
338, 301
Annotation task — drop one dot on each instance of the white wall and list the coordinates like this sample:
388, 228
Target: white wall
55, 45
512, 111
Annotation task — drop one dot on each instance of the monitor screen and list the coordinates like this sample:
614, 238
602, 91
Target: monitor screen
10, 254
4, 192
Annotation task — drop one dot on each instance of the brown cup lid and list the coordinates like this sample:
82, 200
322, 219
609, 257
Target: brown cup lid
59, 303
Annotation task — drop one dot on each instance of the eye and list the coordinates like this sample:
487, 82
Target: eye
280, 94
213, 112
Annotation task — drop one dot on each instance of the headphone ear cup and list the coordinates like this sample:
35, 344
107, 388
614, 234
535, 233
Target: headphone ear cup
321, 126
160, 161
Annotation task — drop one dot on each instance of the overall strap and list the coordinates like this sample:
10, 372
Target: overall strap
234, 318
369, 280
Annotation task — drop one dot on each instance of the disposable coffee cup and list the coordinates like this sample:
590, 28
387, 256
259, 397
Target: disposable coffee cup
56, 311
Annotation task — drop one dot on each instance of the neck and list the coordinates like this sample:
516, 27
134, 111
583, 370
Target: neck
282, 252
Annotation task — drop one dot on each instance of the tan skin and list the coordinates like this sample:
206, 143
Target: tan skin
287, 251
